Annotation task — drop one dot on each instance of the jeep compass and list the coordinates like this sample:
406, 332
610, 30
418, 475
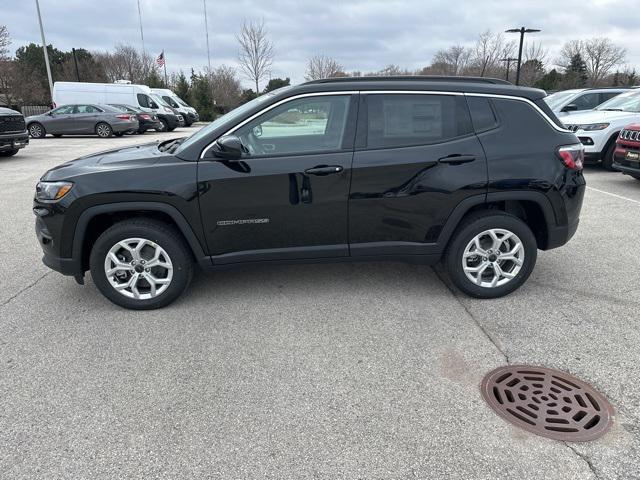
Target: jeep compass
475, 172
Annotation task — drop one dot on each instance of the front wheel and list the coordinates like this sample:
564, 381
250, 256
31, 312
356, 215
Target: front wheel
36, 130
8, 153
141, 264
164, 126
607, 159
491, 255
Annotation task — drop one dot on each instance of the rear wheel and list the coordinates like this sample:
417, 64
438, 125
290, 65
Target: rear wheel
57, 135
119, 134
141, 264
8, 153
104, 130
607, 159
491, 255
36, 130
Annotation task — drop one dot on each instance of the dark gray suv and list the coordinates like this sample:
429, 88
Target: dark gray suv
13, 134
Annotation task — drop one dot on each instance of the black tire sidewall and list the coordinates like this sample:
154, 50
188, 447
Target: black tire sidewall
607, 159
468, 231
160, 234
9, 153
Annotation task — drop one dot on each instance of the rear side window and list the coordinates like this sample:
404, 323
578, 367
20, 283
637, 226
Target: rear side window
412, 119
482, 114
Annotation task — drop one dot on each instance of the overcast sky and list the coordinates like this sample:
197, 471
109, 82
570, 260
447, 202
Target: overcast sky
362, 35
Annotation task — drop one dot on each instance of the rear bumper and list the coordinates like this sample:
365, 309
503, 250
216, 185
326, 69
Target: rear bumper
125, 126
13, 141
560, 235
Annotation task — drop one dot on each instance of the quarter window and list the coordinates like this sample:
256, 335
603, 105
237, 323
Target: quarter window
305, 125
482, 114
406, 120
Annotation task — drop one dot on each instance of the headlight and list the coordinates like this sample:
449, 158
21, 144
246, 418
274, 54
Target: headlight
52, 191
594, 126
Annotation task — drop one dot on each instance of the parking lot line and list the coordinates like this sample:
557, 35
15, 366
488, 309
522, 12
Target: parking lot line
614, 195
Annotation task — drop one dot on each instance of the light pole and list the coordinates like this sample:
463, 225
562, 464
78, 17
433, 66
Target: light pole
141, 32
46, 54
508, 61
521, 31
206, 31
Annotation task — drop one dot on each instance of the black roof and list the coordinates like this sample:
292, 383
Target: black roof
433, 83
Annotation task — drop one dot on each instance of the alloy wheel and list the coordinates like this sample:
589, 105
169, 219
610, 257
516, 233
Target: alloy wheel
493, 258
35, 130
138, 268
103, 130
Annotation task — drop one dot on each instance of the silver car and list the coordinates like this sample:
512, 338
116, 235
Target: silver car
82, 119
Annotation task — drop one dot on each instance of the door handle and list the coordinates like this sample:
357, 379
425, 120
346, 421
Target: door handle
457, 159
324, 170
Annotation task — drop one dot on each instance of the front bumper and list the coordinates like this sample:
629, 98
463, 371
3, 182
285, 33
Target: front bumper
65, 266
623, 163
13, 141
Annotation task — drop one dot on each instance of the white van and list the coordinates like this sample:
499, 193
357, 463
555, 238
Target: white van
188, 112
139, 96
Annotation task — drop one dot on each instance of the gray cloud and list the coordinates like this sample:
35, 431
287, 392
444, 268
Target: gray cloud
362, 34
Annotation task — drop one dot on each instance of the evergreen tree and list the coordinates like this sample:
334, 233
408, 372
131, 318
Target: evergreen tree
276, 83
182, 87
576, 74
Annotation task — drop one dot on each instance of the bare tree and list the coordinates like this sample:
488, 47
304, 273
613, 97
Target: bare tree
533, 59
225, 87
601, 55
256, 51
321, 66
7, 66
452, 61
126, 63
488, 51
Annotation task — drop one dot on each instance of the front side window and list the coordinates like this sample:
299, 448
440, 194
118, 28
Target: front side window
399, 120
305, 125
170, 101
65, 110
588, 101
143, 100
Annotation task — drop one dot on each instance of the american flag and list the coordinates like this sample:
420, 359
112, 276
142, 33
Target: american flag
160, 59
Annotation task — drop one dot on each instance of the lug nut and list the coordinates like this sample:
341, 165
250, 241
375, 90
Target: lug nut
147, 269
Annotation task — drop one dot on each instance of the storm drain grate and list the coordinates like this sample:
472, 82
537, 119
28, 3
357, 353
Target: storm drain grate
548, 402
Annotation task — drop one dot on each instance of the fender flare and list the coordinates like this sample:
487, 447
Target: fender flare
173, 212
468, 203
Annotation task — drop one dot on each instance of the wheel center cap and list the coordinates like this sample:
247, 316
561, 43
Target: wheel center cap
493, 257
139, 268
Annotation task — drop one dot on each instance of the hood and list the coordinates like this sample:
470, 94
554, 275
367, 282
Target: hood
600, 116
8, 111
138, 156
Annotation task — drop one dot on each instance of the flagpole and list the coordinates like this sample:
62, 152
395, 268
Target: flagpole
164, 63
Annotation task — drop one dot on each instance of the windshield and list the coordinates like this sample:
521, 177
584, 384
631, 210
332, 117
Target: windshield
158, 100
182, 102
233, 114
558, 99
625, 102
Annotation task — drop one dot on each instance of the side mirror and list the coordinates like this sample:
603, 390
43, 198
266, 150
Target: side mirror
572, 107
228, 147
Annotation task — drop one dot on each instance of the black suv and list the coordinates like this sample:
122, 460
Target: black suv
13, 132
476, 172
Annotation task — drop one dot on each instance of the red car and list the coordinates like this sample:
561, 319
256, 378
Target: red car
626, 156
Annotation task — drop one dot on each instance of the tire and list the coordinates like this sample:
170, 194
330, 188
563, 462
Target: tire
501, 224
57, 135
171, 129
165, 126
36, 130
141, 131
119, 134
104, 130
159, 237
8, 153
607, 159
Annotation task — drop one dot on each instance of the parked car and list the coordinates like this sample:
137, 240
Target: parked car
472, 171
627, 152
139, 96
101, 120
13, 132
146, 121
188, 112
599, 128
569, 102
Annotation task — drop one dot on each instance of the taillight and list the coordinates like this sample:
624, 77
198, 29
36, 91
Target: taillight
145, 117
124, 117
572, 156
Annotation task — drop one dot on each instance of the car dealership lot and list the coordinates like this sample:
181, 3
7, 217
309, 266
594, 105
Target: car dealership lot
363, 370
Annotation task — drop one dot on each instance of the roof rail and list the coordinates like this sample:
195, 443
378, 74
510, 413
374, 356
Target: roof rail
413, 78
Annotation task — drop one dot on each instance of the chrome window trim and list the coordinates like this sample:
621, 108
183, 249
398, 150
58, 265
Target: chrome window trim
388, 92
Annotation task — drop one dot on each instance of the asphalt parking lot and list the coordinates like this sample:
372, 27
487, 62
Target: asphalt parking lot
364, 370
